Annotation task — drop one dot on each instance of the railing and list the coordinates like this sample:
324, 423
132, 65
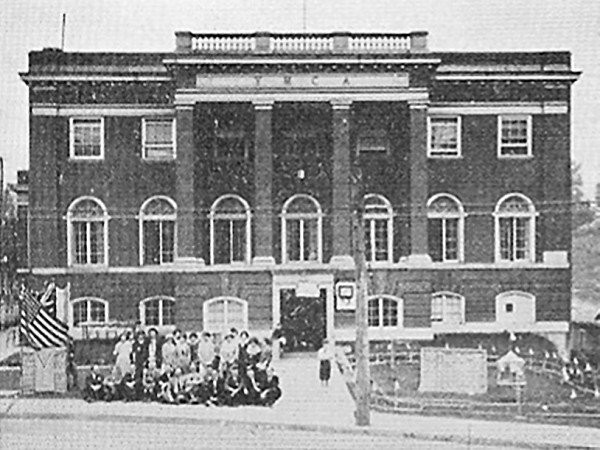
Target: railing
295, 43
223, 44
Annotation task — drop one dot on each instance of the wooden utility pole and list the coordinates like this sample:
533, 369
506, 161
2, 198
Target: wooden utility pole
361, 348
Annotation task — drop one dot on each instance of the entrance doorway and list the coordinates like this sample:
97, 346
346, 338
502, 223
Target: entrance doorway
303, 320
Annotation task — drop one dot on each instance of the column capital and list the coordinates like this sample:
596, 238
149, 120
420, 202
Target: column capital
418, 104
184, 107
263, 105
341, 103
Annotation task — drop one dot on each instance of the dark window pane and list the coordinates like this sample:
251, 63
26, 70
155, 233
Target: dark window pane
151, 242
434, 232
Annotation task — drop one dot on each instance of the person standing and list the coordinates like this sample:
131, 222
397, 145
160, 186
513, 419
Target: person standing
169, 352
206, 350
122, 352
154, 347
325, 355
140, 356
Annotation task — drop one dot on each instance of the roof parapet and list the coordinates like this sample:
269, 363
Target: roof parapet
301, 43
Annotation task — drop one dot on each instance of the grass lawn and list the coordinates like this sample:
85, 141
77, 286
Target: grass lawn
545, 399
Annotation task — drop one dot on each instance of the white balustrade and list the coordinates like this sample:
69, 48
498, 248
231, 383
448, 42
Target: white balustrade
233, 44
366, 44
298, 44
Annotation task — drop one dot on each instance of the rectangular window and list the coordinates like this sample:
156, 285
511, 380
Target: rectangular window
444, 137
80, 313
86, 138
437, 309
514, 238
372, 141
373, 313
158, 139
88, 242
514, 136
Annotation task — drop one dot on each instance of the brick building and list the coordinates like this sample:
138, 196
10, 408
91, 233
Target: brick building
210, 187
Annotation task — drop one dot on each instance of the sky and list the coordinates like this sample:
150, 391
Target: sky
149, 25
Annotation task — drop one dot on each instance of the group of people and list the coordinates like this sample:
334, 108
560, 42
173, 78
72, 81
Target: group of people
188, 368
578, 370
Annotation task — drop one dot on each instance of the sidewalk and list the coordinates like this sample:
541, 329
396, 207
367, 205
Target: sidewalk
308, 406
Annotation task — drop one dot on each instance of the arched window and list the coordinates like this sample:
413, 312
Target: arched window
301, 225
515, 308
447, 308
157, 230
157, 311
378, 219
222, 313
385, 311
230, 230
87, 232
445, 223
88, 311
515, 229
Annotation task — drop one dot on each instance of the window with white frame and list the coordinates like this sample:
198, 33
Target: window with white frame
86, 138
158, 138
223, 313
384, 312
88, 311
444, 137
378, 218
447, 308
515, 229
157, 311
302, 229
157, 231
445, 221
87, 232
230, 235
514, 136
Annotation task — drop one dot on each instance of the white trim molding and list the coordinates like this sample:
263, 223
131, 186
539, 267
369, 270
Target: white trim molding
507, 76
496, 108
100, 110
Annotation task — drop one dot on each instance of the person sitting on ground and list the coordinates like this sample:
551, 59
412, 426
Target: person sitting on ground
176, 390
192, 385
127, 388
272, 392
150, 381
234, 389
215, 387
93, 385
110, 389
251, 389
163, 383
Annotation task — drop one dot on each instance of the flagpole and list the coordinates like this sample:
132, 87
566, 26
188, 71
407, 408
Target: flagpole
20, 298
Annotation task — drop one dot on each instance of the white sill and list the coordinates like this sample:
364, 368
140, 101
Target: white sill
86, 158
434, 156
518, 157
158, 160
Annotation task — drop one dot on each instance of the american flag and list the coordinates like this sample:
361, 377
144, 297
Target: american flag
38, 324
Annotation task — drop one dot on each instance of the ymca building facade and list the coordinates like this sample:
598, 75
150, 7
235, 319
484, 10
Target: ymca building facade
210, 187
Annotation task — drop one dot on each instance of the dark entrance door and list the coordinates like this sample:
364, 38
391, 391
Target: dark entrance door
303, 320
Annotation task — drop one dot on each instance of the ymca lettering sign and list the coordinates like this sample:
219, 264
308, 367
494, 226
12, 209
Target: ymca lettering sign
310, 81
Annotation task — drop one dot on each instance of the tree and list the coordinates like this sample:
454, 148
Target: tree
582, 210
